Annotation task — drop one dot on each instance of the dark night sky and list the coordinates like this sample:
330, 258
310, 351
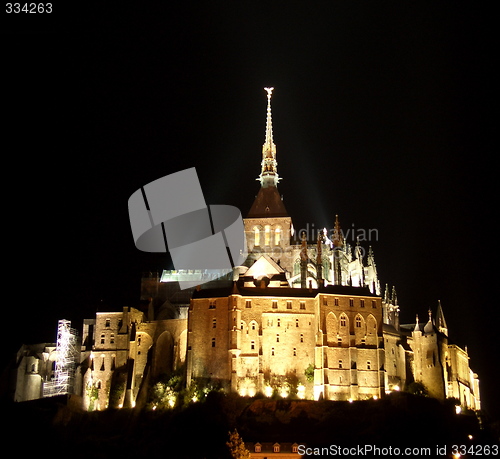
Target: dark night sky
381, 114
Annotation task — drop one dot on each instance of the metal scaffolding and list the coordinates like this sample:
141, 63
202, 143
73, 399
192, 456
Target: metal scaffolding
65, 364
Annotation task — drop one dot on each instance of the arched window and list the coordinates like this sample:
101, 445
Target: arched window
256, 235
277, 235
358, 322
267, 235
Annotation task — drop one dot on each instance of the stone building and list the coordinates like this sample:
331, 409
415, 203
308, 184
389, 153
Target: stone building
304, 317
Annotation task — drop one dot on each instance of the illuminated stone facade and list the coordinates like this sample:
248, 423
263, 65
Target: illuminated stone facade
305, 317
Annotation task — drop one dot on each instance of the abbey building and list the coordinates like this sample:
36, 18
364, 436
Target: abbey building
304, 317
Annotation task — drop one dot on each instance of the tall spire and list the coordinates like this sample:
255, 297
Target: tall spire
441, 322
269, 173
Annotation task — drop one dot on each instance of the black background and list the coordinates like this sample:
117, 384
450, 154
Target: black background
382, 114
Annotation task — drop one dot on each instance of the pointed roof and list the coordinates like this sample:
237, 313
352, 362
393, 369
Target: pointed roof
268, 203
429, 326
337, 238
264, 266
440, 320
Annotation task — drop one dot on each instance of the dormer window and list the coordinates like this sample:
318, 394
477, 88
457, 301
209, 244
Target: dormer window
276, 447
258, 447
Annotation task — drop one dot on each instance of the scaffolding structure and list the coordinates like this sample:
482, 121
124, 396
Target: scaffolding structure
65, 363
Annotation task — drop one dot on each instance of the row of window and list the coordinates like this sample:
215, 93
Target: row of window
276, 448
108, 323
289, 303
112, 338
268, 235
368, 365
252, 343
362, 302
343, 323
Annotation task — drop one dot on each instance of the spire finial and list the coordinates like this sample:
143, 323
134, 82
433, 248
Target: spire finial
269, 172
269, 121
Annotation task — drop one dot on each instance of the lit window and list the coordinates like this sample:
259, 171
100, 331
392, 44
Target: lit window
277, 235
267, 235
256, 236
295, 448
276, 448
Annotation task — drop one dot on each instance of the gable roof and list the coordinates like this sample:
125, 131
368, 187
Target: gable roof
264, 266
267, 203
